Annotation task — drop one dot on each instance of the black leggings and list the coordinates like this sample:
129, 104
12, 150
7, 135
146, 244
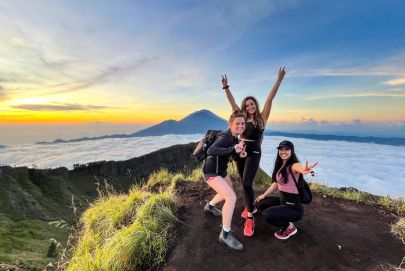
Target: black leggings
279, 211
247, 168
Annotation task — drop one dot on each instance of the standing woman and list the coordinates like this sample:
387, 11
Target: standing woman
215, 173
255, 124
287, 208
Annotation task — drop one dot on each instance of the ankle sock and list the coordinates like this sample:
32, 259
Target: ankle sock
226, 229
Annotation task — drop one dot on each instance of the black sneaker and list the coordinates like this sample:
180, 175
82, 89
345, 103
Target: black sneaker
227, 239
212, 209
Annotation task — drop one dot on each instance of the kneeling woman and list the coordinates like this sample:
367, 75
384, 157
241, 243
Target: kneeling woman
287, 208
215, 173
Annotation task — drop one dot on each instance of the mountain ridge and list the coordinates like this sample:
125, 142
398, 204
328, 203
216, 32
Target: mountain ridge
200, 121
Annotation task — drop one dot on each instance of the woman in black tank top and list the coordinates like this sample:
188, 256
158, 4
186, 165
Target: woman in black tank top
253, 135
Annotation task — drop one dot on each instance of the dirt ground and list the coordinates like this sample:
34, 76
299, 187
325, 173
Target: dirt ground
333, 235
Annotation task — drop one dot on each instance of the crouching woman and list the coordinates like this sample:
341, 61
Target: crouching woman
281, 211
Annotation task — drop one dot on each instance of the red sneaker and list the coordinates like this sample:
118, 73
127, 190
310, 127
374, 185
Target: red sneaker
285, 234
245, 212
249, 227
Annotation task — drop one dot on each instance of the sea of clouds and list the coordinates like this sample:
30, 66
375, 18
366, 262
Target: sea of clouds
374, 168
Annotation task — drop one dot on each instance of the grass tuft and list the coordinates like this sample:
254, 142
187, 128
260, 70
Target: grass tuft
398, 229
125, 232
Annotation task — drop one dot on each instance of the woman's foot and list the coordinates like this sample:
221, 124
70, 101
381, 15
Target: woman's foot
212, 209
226, 238
245, 212
249, 228
287, 233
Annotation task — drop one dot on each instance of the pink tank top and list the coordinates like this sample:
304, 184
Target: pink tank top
289, 186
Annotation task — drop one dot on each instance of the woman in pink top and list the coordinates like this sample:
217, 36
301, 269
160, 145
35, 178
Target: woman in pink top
281, 211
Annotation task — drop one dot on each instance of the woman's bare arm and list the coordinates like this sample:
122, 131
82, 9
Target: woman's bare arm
303, 170
228, 93
268, 192
269, 101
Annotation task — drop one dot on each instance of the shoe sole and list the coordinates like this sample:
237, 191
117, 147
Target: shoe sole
247, 235
223, 243
284, 238
208, 212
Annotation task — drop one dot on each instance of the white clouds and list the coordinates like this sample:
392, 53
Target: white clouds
67, 154
354, 95
368, 167
396, 82
356, 127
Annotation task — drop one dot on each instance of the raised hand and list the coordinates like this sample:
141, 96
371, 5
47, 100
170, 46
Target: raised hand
224, 80
281, 74
309, 169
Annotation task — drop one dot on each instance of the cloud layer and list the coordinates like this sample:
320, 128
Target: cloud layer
369, 167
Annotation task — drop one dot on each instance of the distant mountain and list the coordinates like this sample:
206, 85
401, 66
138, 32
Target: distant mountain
196, 123
201, 121
394, 141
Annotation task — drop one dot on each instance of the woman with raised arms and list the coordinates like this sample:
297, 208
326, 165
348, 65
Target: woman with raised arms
255, 124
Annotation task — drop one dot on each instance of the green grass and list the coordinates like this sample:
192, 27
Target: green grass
25, 243
395, 205
398, 229
131, 231
125, 232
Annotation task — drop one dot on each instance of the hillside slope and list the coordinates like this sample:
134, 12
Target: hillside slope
334, 234
46, 194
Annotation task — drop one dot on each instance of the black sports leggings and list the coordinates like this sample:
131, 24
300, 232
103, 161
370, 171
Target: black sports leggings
247, 168
279, 211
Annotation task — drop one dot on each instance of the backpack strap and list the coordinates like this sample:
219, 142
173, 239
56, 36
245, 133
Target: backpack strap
292, 174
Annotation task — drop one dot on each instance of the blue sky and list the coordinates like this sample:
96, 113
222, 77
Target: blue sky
142, 62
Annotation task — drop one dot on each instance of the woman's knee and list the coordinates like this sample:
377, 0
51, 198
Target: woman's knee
230, 197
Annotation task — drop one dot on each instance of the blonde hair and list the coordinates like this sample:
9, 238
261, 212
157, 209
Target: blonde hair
236, 114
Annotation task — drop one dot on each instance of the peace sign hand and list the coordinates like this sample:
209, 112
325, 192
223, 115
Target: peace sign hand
224, 80
308, 169
281, 74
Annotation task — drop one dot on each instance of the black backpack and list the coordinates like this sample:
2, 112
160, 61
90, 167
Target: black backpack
303, 189
200, 152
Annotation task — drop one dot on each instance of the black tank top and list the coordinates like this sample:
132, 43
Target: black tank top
253, 132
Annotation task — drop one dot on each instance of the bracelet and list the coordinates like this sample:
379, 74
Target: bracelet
225, 87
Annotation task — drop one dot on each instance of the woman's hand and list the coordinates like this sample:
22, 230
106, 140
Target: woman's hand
224, 81
243, 153
281, 73
308, 169
240, 147
259, 198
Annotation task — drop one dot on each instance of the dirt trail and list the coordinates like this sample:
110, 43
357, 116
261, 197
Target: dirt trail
333, 235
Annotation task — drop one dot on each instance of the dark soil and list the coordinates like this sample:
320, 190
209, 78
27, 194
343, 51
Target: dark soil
334, 234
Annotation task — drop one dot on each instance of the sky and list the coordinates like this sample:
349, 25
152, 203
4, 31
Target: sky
341, 164
137, 63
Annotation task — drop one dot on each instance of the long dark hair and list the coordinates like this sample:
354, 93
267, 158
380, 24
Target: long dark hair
279, 163
257, 119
